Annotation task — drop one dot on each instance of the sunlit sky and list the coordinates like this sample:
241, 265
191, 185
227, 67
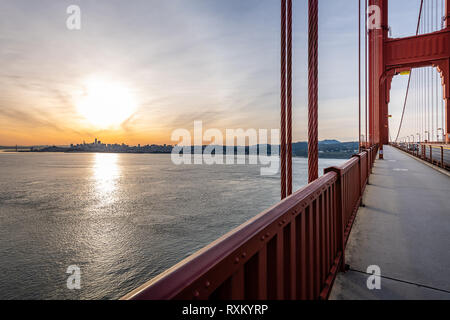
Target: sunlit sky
172, 62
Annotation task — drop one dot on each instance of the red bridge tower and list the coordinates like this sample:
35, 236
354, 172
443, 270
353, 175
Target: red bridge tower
388, 57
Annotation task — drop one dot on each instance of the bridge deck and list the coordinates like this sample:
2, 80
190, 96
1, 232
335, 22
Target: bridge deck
404, 229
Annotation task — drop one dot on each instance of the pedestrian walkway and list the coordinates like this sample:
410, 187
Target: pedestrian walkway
404, 229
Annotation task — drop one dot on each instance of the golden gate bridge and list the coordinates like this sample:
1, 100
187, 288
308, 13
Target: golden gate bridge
386, 206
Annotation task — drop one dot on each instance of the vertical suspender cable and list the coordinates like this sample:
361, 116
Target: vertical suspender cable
404, 107
365, 64
435, 107
437, 74
359, 72
437, 104
416, 94
289, 97
430, 82
283, 101
432, 76
426, 86
421, 95
370, 62
313, 153
436, 77
423, 90
442, 100
431, 86
409, 78
424, 104
373, 66
417, 104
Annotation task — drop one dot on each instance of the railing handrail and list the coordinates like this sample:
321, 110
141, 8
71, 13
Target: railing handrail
348, 164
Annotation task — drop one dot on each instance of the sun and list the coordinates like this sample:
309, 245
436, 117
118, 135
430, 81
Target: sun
105, 103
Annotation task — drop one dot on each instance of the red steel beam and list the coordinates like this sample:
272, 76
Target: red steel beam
417, 51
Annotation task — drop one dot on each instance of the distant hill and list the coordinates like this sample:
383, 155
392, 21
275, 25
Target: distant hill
327, 149
329, 142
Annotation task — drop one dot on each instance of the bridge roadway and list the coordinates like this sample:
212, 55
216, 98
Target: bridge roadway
404, 229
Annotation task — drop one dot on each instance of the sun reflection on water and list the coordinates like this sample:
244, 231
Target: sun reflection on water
106, 173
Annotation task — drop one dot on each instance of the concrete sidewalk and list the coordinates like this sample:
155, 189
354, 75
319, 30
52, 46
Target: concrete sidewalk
404, 229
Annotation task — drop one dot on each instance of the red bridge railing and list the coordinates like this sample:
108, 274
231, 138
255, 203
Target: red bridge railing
290, 251
435, 153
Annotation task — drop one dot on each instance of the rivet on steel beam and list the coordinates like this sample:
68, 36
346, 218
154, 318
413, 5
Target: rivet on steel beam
244, 254
267, 234
196, 293
207, 284
262, 238
236, 260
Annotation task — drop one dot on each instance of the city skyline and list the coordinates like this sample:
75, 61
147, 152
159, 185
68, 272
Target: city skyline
213, 61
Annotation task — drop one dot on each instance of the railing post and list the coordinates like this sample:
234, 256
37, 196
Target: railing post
431, 154
340, 224
442, 156
360, 173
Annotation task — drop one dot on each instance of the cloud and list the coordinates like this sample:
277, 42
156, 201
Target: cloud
217, 61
